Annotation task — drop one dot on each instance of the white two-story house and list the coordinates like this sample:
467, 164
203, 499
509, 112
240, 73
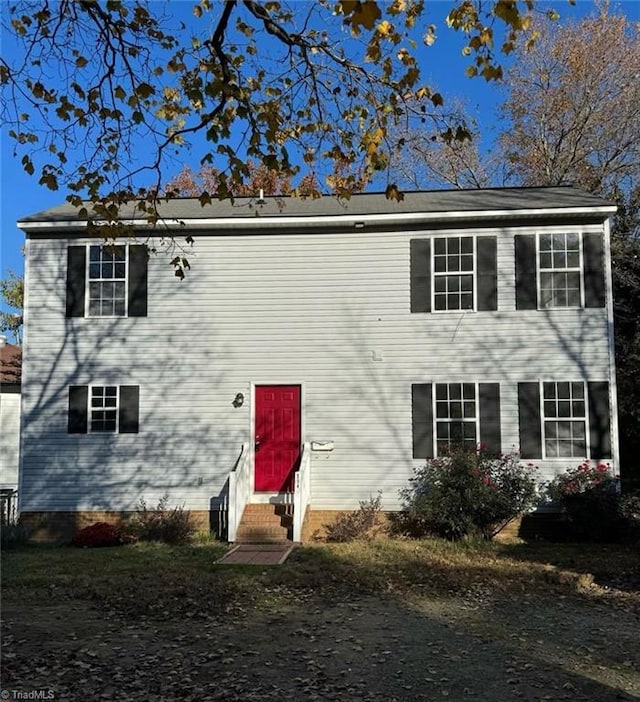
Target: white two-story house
315, 353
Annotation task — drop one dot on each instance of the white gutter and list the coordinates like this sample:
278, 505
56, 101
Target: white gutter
350, 220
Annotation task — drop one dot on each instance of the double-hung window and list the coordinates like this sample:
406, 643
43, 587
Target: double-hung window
107, 280
565, 420
103, 409
559, 259
445, 414
456, 415
107, 276
559, 270
453, 273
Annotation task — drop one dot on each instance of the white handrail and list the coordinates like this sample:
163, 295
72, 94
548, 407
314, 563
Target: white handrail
239, 487
301, 492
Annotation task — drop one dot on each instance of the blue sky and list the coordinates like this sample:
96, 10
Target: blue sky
442, 66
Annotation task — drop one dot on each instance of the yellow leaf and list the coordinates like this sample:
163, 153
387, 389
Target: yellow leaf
384, 28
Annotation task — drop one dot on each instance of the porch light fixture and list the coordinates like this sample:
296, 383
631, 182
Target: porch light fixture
239, 400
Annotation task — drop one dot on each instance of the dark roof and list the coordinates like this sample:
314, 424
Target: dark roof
509, 200
10, 364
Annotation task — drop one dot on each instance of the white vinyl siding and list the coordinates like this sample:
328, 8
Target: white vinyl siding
287, 308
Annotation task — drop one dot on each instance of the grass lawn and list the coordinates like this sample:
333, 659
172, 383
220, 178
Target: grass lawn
365, 620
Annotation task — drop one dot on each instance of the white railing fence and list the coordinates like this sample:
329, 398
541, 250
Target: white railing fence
239, 489
301, 492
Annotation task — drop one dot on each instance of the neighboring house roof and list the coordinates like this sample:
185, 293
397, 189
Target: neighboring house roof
10, 365
434, 205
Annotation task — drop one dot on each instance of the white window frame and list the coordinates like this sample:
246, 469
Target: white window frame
436, 419
90, 409
89, 280
579, 269
473, 273
544, 419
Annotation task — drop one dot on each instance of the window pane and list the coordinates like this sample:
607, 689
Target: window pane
441, 391
549, 408
550, 430
469, 410
107, 270
564, 408
440, 264
455, 391
573, 259
562, 390
573, 241
440, 246
466, 301
440, 302
550, 449
558, 241
466, 283
440, 284
453, 264
119, 270
94, 270
545, 242
466, 245
442, 410
442, 430
545, 260
453, 245
559, 259
453, 302
453, 283
455, 410
466, 263
577, 408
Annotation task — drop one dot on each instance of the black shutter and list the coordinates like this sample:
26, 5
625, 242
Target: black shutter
489, 408
487, 265
420, 275
77, 419
138, 260
129, 409
599, 420
76, 280
529, 420
526, 270
593, 253
422, 420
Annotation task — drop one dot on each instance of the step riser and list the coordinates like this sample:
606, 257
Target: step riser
265, 523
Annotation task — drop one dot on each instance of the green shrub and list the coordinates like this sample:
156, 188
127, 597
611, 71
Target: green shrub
171, 526
467, 493
363, 523
590, 500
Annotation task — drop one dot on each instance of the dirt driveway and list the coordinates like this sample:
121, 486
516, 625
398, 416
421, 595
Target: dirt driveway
296, 645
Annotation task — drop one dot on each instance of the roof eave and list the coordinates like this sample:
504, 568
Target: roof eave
351, 220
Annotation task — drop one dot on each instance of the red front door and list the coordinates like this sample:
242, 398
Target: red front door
277, 436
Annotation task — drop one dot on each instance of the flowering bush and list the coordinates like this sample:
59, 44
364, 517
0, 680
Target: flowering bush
98, 534
579, 480
590, 501
466, 492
